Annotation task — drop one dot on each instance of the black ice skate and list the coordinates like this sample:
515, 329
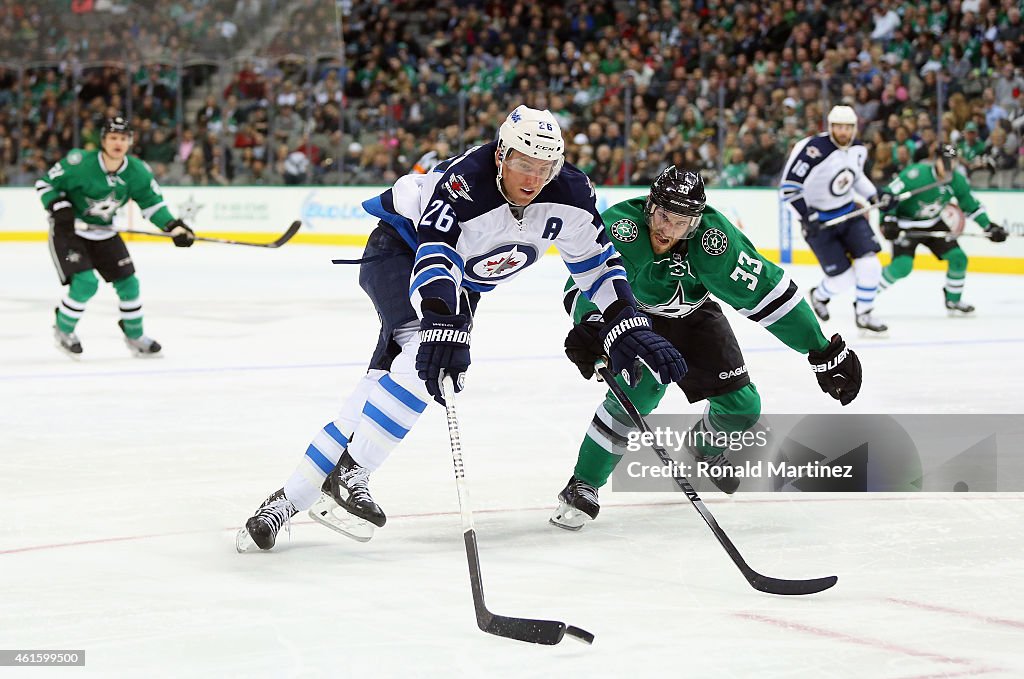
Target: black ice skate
67, 341
142, 347
718, 467
820, 308
349, 485
577, 504
868, 323
261, 529
958, 308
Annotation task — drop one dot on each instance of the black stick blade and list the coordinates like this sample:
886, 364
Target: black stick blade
545, 632
763, 583
287, 235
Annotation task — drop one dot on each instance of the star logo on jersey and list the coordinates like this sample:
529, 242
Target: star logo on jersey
502, 262
714, 242
625, 230
675, 307
188, 210
458, 187
104, 208
73, 256
75, 157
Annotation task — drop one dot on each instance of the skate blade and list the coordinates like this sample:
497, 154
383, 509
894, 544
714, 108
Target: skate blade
326, 512
147, 357
953, 313
70, 354
568, 518
244, 543
874, 334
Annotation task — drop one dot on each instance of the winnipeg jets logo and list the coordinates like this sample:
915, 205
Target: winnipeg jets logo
458, 187
501, 263
812, 152
842, 182
103, 208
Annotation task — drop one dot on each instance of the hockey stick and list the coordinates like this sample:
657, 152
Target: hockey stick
759, 582
282, 239
899, 197
945, 235
547, 632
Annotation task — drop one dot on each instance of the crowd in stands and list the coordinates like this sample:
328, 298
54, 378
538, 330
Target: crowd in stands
722, 87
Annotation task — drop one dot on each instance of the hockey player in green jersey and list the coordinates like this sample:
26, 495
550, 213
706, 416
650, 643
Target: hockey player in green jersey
919, 220
83, 193
677, 252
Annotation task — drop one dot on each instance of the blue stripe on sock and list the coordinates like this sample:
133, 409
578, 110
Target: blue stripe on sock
319, 459
407, 398
385, 422
333, 432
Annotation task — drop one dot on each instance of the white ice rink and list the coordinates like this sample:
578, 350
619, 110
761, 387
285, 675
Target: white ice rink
123, 481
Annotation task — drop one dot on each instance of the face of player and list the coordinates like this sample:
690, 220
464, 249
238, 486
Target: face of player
523, 177
668, 228
843, 133
116, 145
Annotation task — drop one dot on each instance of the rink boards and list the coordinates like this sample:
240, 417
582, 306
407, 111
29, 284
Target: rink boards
334, 216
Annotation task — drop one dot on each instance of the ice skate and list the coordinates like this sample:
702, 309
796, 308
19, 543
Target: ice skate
349, 485
958, 308
577, 504
261, 529
820, 308
718, 469
327, 512
141, 347
868, 324
67, 341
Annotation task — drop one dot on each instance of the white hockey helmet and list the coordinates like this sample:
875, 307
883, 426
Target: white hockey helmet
842, 115
533, 133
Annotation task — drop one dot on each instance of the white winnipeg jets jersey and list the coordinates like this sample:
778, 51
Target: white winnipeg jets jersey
822, 178
465, 234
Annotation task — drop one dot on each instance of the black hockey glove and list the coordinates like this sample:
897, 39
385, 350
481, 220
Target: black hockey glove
886, 201
811, 225
627, 339
837, 370
890, 227
444, 350
63, 216
583, 344
996, 233
182, 236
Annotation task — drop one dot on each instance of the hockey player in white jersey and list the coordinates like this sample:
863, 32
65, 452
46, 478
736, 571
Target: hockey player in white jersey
444, 238
821, 178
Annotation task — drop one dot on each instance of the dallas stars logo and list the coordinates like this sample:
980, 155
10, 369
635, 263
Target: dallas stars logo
103, 208
188, 210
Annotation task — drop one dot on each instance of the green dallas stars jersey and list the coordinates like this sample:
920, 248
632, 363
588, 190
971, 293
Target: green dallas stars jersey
923, 210
96, 195
718, 260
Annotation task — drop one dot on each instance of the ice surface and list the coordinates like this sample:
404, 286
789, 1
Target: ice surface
122, 482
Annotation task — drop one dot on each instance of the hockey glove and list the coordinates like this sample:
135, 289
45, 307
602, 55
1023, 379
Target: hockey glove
890, 227
996, 233
444, 350
811, 225
886, 201
837, 370
583, 344
63, 216
182, 236
628, 337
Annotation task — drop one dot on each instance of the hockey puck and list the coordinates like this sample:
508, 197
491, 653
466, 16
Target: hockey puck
580, 634
958, 487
